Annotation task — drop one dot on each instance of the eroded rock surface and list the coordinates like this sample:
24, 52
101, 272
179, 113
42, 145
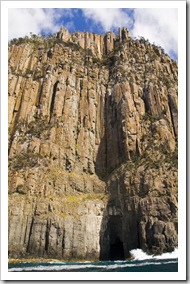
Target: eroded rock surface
92, 147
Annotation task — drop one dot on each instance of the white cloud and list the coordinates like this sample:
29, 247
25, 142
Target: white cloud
23, 21
159, 26
108, 18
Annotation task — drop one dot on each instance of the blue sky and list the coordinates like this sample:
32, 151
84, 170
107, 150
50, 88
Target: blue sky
158, 25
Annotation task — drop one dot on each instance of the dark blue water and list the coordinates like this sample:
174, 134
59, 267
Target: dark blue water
153, 265
167, 262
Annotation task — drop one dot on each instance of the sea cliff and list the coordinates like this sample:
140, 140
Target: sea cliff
92, 147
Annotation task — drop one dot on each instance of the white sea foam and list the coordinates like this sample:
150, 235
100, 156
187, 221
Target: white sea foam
71, 267
54, 267
138, 254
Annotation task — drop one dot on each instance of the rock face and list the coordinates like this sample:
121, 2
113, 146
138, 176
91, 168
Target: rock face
92, 147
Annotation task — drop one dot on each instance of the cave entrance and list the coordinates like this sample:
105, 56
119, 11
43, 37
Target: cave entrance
116, 250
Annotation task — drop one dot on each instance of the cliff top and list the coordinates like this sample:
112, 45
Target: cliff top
99, 44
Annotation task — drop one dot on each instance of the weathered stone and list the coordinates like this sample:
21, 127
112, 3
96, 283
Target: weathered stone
92, 147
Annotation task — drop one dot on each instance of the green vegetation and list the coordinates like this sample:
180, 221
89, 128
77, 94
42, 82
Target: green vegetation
149, 117
27, 72
23, 160
108, 60
39, 129
43, 42
79, 198
85, 197
168, 82
148, 161
72, 198
34, 39
72, 45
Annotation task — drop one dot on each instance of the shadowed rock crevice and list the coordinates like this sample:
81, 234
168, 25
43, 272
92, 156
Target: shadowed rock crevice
47, 238
134, 186
30, 233
101, 160
53, 98
116, 250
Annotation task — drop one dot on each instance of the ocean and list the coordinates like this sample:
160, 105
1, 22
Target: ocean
141, 262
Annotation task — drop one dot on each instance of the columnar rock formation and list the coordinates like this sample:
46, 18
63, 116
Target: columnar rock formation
98, 44
92, 147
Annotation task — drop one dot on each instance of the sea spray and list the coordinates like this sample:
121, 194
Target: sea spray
138, 254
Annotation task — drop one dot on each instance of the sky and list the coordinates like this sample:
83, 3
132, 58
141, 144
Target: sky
159, 26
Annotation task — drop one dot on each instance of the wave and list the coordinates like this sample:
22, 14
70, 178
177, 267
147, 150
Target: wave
97, 266
138, 254
139, 259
